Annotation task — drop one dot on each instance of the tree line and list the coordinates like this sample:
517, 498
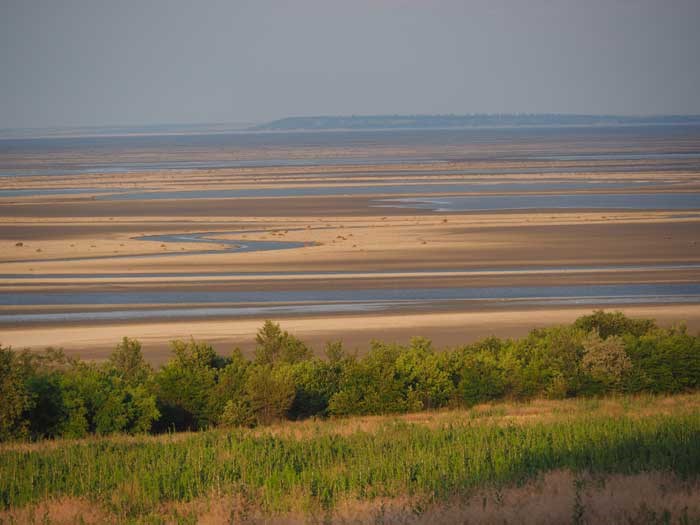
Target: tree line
48, 394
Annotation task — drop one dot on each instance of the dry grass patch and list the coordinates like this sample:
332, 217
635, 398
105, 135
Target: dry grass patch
63, 511
558, 497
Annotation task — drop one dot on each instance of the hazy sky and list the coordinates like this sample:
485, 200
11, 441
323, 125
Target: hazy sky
93, 62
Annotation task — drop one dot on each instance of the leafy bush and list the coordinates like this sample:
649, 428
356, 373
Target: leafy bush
14, 395
274, 345
613, 323
230, 382
606, 360
315, 382
238, 413
128, 362
664, 361
270, 392
184, 387
482, 376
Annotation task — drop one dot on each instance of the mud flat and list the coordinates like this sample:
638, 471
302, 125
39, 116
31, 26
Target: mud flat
326, 214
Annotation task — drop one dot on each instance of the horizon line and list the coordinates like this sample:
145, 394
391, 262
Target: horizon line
210, 127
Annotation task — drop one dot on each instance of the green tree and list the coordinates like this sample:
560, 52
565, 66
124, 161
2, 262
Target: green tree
49, 411
238, 413
664, 361
606, 360
371, 385
15, 398
425, 380
482, 378
270, 392
185, 386
547, 362
230, 383
613, 323
98, 400
277, 346
142, 410
315, 381
127, 360
334, 351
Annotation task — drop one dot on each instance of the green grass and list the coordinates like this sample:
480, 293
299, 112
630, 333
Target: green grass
323, 463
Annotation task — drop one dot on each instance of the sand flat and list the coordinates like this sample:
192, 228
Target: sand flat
348, 241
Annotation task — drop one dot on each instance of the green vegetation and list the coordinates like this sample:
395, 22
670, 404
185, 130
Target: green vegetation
49, 395
590, 399
312, 467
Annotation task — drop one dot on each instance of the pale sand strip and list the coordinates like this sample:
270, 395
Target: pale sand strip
354, 276
371, 243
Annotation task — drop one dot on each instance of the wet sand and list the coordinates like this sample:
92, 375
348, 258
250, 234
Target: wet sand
100, 242
560, 234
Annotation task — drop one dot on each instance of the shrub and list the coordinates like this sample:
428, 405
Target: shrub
606, 360
230, 382
613, 323
97, 400
238, 413
15, 398
315, 383
274, 345
184, 387
270, 392
481, 377
422, 376
664, 361
128, 362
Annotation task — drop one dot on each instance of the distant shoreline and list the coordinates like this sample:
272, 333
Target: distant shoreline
378, 122
331, 123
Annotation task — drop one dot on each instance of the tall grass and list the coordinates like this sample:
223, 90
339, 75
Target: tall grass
135, 477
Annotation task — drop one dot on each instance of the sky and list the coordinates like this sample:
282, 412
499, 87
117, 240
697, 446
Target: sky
141, 62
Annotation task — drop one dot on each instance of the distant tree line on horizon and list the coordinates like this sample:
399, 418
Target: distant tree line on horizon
47, 395
328, 122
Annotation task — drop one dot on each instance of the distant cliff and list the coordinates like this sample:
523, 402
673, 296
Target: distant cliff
467, 121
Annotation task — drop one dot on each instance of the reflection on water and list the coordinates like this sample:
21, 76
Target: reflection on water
529, 270
168, 313
398, 189
692, 164
670, 145
225, 246
632, 201
231, 245
360, 295
329, 308
31, 192
504, 186
375, 294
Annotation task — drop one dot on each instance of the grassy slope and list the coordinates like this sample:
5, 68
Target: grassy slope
317, 468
